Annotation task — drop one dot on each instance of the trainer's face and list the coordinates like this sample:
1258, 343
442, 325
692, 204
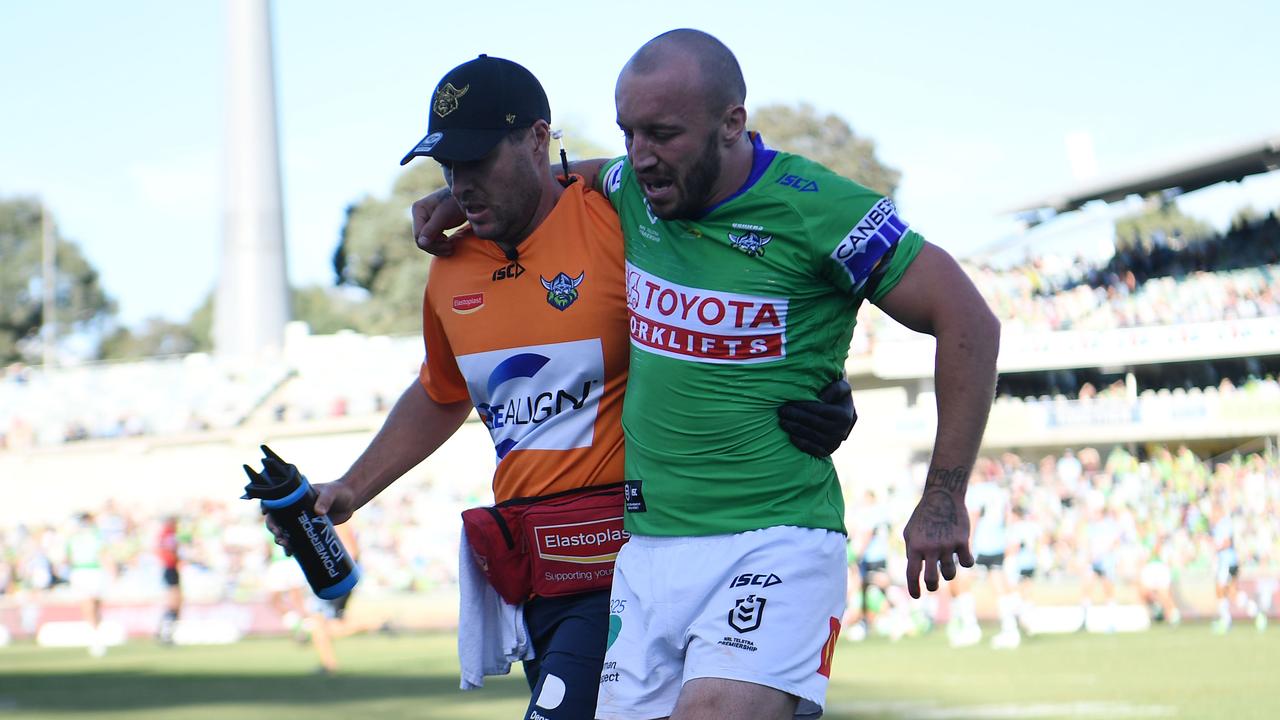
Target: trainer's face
673, 140
499, 193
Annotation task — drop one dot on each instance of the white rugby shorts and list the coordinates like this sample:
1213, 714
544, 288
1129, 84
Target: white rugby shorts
284, 575
88, 583
762, 606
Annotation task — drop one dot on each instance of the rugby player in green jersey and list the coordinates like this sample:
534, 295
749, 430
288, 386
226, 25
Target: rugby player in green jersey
746, 267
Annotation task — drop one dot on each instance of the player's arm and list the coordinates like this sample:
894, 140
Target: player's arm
416, 426
437, 213
935, 296
590, 171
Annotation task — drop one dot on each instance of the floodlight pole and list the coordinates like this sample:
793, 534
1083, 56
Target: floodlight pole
252, 302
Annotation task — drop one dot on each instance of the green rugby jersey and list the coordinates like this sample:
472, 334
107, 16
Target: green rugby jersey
732, 315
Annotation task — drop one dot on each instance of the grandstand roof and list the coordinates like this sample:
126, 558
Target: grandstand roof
1187, 173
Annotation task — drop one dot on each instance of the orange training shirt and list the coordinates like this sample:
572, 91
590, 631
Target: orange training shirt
539, 346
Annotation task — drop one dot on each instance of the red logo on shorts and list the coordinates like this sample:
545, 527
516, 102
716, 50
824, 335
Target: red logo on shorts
829, 649
469, 303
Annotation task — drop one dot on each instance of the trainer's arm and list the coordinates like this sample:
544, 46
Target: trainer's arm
935, 296
416, 426
589, 170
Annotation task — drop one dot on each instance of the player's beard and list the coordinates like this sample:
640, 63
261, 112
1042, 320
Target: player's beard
698, 183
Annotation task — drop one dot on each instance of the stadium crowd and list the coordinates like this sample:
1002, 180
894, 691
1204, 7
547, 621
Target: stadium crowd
1099, 524
408, 543
1155, 283
1066, 520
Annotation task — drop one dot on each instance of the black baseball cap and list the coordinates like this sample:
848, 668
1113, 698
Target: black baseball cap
477, 104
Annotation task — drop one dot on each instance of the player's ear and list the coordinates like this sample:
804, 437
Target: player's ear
540, 133
732, 124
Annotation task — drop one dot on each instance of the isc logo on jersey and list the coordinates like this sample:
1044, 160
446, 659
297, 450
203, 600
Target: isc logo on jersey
704, 325
539, 397
864, 245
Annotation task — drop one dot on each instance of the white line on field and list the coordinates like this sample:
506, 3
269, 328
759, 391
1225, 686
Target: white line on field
915, 710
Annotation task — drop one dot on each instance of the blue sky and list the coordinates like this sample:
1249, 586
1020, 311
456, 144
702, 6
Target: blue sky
113, 111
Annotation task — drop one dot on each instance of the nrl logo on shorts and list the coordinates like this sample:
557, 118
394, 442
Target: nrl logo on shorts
447, 98
747, 613
562, 290
751, 243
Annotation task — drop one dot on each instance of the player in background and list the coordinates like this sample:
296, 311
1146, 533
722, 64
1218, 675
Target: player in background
1022, 558
1104, 537
168, 551
868, 558
284, 582
88, 575
328, 620
1226, 570
989, 501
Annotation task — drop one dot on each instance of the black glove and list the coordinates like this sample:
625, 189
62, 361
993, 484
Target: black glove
819, 426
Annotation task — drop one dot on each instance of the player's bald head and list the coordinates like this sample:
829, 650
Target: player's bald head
719, 75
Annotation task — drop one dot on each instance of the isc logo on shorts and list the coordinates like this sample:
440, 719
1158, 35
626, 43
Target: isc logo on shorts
762, 579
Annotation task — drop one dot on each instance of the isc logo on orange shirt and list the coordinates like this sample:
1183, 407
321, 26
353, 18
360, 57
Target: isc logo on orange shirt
469, 303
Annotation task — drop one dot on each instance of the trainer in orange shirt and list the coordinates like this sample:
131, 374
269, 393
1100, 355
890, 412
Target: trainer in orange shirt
527, 324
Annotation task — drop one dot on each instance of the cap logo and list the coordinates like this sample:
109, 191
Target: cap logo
447, 98
430, 141
511, 119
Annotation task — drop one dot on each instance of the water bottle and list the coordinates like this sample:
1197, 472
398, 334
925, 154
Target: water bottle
290, 501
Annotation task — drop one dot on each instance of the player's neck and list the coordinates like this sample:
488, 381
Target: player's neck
735, 168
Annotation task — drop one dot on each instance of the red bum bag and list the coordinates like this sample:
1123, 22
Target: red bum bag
561, 544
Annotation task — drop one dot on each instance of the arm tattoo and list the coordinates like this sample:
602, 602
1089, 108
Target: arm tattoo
940, 514
950, 479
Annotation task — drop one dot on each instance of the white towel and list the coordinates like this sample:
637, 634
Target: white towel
491, 632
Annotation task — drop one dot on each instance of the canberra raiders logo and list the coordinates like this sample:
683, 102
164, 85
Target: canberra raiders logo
751, 243
447, 98
562, 290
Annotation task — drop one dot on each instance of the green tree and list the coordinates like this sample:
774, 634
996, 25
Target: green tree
826, 139
157, 336
1160, 223
201, 324
376, 252
325, 310
80, 303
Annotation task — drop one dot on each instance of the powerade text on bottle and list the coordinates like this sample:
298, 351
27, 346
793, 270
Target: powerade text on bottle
290, 501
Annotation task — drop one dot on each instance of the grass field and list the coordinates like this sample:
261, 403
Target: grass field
1167, 673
